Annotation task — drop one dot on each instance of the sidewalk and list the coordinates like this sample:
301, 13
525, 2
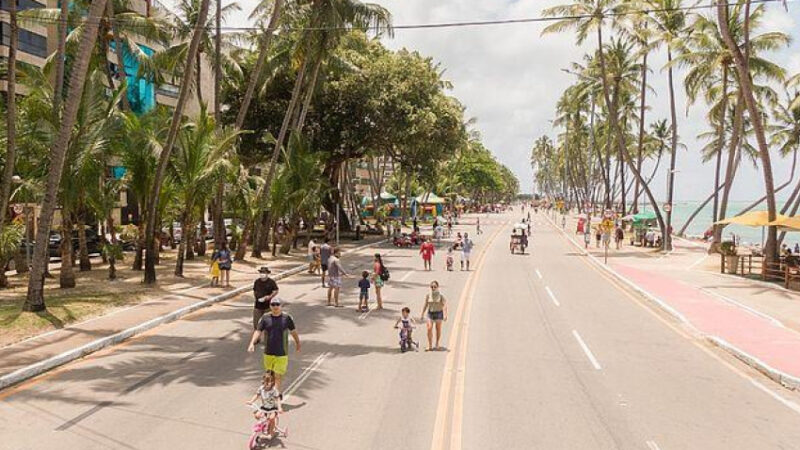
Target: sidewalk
758, 323
57, 342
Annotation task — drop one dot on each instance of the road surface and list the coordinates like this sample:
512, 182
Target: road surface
543, 351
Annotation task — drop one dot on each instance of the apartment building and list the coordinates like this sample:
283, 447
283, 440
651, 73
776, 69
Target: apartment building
37, 42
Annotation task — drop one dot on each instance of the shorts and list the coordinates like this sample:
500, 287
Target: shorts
335, 282
363, 296
379, 282
465, 256
324, 267
310, 258
224, 266
277, 364
436, 315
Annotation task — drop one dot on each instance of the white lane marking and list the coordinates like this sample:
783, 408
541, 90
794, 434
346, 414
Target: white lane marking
652, 445
538, 274
788, 403
552, 296
303, 376
408, 274
586, 350
750, 310
694, 264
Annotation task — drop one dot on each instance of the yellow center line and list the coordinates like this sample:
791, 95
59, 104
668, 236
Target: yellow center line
453, 373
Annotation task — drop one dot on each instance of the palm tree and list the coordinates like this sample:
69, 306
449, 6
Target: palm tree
195, 167
741, 62
11, 114
669, 22
177, 118
103, 201
586, 16
34, 300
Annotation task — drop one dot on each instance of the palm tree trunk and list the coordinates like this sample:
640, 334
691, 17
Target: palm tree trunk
698, 209
746, 83
83, 249
298, 84
123, 77
720, 139
730, 171
112, 267
177, 118
309, 92
58, 85
11, 115
182, 247
198, 80
241, 249
640, 145
263, 51
34, 300
66, 278
673, 152
219, 197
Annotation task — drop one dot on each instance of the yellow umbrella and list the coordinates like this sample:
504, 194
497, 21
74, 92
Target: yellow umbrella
752, 219
787, 223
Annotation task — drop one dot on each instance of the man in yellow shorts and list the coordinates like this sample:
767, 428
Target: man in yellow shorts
276, 326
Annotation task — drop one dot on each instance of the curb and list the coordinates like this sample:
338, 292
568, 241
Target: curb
784, 379
40, 367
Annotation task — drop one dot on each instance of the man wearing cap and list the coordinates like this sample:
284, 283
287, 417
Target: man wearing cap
276, 327
264, 290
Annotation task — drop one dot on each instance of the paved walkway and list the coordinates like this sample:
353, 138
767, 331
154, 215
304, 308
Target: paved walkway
47, 345
758, 319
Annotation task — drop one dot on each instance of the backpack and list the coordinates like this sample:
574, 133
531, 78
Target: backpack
384, 273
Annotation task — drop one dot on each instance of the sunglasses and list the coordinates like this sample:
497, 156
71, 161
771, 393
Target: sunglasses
275, 304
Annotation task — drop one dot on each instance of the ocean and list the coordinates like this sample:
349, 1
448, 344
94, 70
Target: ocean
702, 222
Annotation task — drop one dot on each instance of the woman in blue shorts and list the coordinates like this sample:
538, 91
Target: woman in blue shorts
436, 307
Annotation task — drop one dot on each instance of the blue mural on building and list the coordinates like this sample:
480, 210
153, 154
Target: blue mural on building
141, 90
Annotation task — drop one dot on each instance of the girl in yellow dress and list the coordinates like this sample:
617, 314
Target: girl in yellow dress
215, 273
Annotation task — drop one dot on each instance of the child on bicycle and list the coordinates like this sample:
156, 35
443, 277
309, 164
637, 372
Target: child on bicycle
408, 324
363, 296
270, 402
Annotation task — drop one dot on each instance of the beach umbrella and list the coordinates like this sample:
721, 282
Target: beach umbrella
751, 219
787, 223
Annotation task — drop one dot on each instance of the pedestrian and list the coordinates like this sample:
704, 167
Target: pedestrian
363, 295
449, 225
459, 239
264, 290
587, 238
524, 241
466, 250
214, 270
427, 250
310, 255
224, 258
619, 235
478, 225
796, 249
324, 256
598, 234
450, 258
275, 327
335, 273
563, 222
436, 307
415, 225
270, 402
379, 277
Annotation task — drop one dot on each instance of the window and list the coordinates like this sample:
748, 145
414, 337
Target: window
22, 5
29, 42
170, 90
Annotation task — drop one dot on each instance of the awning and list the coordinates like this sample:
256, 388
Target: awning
430, 199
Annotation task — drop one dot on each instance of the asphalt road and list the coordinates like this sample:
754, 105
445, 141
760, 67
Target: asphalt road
543, 351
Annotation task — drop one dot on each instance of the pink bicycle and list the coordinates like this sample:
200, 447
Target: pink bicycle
265, 421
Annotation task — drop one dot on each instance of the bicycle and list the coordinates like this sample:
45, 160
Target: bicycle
260, 436
406, 343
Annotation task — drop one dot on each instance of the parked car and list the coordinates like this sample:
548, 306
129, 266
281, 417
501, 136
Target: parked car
92, 242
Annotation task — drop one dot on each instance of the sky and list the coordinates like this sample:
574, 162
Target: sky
509, 78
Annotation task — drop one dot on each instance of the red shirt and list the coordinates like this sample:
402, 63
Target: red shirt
427, 250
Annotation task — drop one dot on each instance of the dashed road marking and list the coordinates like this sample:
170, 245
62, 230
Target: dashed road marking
538, 274
586, 350
304, 376
652, 445
552, 296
